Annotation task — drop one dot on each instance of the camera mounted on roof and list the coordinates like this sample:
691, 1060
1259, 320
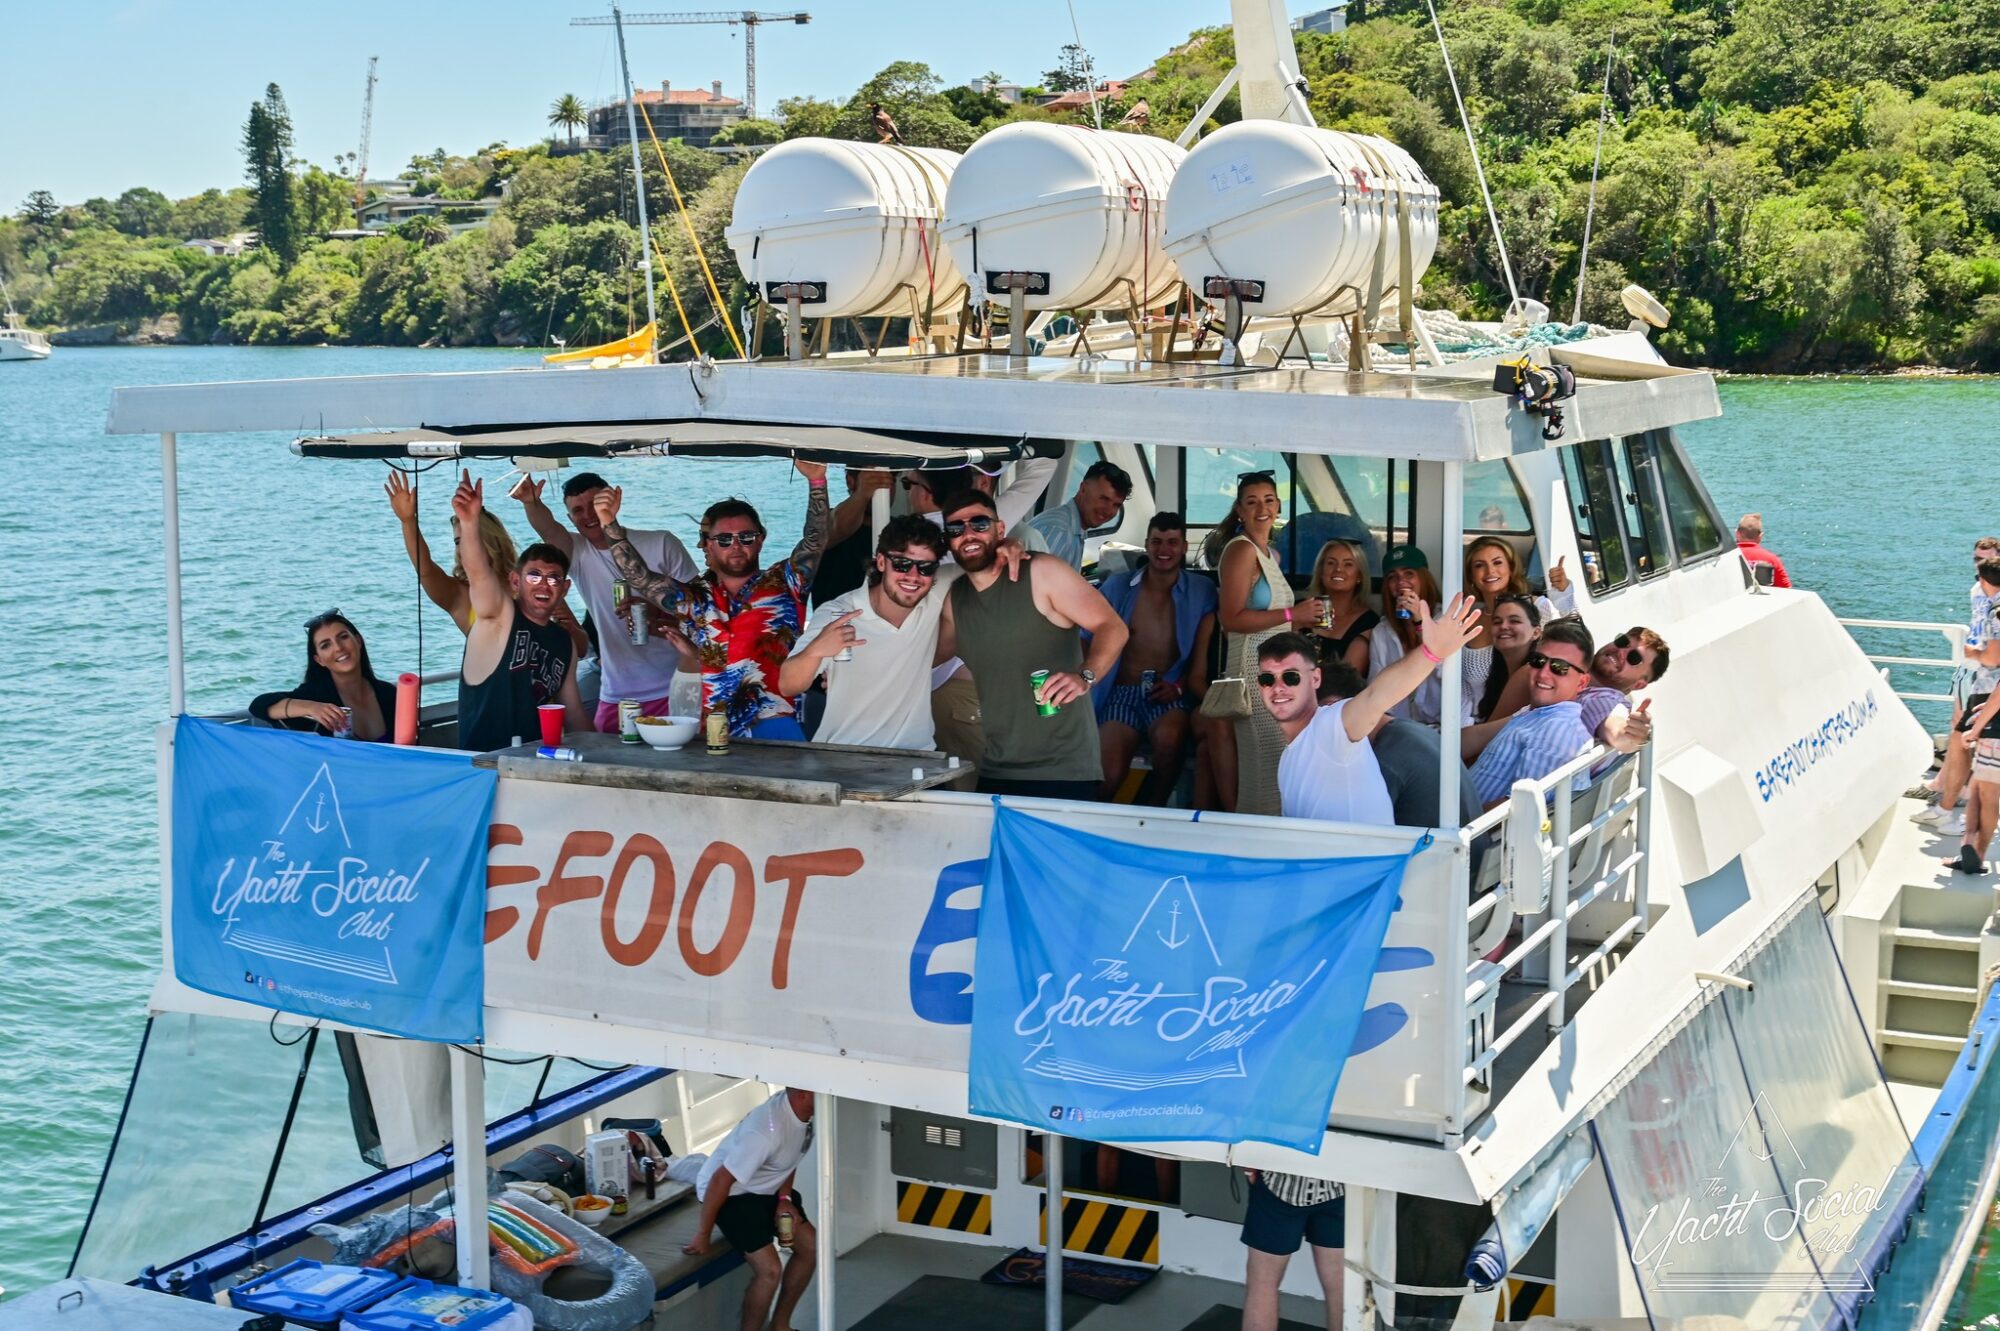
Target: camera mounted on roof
1540, 389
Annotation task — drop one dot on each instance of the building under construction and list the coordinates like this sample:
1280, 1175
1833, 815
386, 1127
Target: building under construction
693, 115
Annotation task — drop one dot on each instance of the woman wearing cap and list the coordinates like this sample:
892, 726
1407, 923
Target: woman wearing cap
1407, 582
1255, 603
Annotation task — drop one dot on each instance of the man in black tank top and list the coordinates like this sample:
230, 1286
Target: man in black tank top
516, 657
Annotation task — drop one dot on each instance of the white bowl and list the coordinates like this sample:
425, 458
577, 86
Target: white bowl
668, 732
595, 1217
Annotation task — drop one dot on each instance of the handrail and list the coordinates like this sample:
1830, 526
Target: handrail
1953, 634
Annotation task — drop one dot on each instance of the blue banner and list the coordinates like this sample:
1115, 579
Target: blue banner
1127, 993
331, 878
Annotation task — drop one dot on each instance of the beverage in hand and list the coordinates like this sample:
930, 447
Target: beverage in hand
1039, 679
550, 714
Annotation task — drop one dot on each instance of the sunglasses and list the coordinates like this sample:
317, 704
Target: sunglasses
1292, 678
1633, 656
320, 621
722, 540
1244, 478
911, 483
550, 579
903, 564
954, 530
1560, 669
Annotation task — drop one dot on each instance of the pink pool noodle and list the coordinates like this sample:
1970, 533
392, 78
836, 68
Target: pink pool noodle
408, 691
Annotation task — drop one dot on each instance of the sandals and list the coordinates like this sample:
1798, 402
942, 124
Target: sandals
1966, 861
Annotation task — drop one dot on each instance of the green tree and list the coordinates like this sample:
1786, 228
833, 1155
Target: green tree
807, 117
209, 213
267, 153
41, 209
322, 202
749, 133
1072, 72
567, 113
142, 212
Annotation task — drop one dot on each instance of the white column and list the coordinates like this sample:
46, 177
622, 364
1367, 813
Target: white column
878, 513
1355, 1296
1052, 1264
468, 1168
1451, 578
170, 523
827, 1127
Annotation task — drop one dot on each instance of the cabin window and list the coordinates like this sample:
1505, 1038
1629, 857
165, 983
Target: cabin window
1697, 527
1645, 527
1208, 480
1494, 502
1593, 500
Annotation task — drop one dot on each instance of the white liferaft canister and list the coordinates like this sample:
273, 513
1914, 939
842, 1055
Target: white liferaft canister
1081, 206
1300, 210
857, 220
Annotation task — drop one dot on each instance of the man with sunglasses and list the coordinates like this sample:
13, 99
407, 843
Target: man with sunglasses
1550, 730
742, 619
879, 696
1329, 771
1009, 631
1632, 660
516, 657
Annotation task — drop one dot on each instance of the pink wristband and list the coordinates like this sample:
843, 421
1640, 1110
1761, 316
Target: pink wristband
1288, 614
1432, 656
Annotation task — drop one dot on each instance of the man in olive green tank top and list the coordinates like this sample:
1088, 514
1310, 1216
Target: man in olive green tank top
1006, 631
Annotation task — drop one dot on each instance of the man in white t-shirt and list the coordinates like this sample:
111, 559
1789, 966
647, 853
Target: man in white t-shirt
1328, 770
880, 697
744, 1187
641, 672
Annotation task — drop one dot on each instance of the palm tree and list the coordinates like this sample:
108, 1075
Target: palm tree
566, 112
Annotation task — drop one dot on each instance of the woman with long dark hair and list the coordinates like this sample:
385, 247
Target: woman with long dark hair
1255, 602
1516, 623
338, 674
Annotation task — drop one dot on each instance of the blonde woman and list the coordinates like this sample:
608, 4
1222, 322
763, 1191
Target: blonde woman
1340, 578
1255, 602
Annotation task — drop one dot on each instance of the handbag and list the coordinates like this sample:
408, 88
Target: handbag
1227, 699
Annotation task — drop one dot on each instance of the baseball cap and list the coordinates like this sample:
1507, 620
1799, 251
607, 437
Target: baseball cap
1404, 556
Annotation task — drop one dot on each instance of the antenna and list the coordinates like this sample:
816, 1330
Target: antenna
638, 167
749, 18
1596, 160
367, 127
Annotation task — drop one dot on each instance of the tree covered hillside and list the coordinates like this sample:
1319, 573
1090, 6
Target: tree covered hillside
1807, 186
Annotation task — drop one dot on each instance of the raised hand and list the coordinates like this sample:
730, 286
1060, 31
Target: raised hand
402, 499
1559, 577
606, 503
468, 501
1458, 626
812, 471
526, 491
870, 481
1012, 557
836, 636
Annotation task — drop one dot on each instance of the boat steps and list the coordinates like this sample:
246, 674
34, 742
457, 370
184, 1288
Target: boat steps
1950, 1044
1957, 939
1956, 993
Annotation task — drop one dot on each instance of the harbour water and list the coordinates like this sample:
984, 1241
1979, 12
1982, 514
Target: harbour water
1872, 491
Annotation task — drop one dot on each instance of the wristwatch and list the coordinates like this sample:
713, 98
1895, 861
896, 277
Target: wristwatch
1089, 677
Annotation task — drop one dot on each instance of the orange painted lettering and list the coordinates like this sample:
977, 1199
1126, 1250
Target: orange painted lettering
561, 887
742, 905
498, 922
794, 870
659, 911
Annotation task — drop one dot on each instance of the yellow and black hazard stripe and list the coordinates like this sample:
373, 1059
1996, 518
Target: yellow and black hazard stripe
1528, 1298
1096, 1228
936, 1207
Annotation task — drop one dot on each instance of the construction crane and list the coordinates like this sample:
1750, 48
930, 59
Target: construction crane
749, 18
367, 125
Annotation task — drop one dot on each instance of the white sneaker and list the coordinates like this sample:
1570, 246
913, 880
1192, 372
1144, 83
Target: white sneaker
1930, 817
1953, 824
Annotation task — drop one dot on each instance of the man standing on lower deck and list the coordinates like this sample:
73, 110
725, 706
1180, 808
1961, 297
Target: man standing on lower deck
1009, 632
745, 1188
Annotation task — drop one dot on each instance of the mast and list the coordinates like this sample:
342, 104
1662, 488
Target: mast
638, 169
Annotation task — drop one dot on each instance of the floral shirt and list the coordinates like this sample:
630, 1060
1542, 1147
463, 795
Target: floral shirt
741, 639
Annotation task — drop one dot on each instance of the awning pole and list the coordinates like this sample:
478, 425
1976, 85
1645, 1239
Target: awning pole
1052, 1264
170, 514
1452, 557
878, 513
468, 1168
823, 1134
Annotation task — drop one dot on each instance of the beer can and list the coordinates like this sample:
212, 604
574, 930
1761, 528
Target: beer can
844, 654
562, 755
1039, 678
628, 721
716, 726
346, 727
639, 609
1147, 679
1325, 613
784, 1228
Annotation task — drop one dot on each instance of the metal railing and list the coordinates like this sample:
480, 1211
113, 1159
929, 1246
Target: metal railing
1953, 634
1552, 852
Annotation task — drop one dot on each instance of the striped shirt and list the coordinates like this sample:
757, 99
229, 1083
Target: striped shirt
1298, 1190
1532, 745
1984, 617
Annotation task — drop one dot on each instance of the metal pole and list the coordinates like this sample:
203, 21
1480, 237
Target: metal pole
1452, 550
878, 512
1642, 880
1596, 160
1052, 1264
1017, 321
825, 1111
795, 333
750, 106
468, 1168
170, 512
638, 169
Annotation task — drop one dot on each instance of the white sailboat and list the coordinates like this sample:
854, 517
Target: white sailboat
17, 340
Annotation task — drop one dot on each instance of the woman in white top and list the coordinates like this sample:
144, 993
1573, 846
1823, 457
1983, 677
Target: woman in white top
1255, 602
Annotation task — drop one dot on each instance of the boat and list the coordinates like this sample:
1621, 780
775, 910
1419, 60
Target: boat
17, 340
1703, 1037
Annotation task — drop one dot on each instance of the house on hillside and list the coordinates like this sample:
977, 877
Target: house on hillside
224, 247
388, 210
1324, 21
1109, 91
692, 115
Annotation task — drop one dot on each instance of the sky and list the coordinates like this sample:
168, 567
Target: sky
155, 92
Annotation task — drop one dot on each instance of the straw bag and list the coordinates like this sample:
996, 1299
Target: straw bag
1228, 699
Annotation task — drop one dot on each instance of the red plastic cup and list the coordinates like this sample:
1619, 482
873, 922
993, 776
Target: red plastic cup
551, 714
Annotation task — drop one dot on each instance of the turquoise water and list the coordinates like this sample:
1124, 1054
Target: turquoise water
1872, 491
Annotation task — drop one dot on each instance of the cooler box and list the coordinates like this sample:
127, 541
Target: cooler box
420, 1305
314, 1294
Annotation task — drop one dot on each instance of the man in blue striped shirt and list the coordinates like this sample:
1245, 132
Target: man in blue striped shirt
1551, 731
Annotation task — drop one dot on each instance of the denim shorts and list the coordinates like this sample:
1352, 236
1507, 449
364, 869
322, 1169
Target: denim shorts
1279, 1227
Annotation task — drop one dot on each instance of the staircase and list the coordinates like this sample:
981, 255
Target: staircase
1929, 987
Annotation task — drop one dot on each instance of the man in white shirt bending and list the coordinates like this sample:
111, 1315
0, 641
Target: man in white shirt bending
642, 672
880, 696
1329, 771
744, 1188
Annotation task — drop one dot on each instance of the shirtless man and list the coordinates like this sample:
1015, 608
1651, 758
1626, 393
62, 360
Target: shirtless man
1162, 604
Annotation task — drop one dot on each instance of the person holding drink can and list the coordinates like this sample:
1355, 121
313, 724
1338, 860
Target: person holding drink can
339, 695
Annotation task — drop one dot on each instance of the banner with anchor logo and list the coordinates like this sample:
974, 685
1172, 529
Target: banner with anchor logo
330, 878
1129, 993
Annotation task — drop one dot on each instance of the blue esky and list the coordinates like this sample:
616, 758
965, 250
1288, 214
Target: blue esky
117, 93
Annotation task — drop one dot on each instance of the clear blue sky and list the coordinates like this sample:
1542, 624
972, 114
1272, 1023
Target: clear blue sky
117, 93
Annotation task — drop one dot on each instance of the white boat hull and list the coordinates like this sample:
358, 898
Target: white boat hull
20, 344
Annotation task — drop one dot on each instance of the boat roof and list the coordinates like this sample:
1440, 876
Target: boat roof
1445, 415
